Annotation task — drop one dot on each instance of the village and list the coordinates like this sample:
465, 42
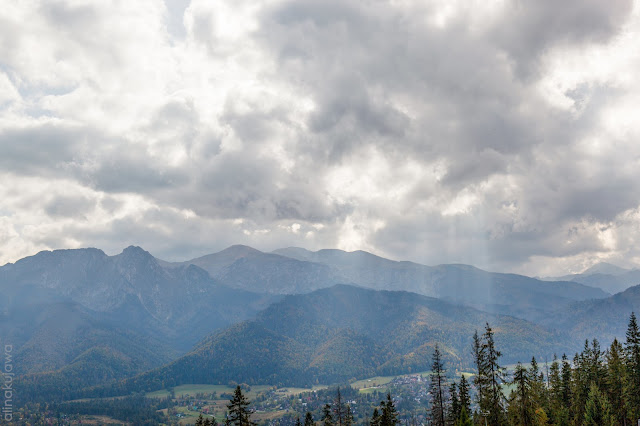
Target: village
283, 406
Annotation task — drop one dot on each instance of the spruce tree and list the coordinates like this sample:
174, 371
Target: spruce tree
454, 407
521, 408
580, 382
597, 409
632, 352
464, 419
558, 410
327, 419
239, 413
538, 389
376, 419
308, 419
436, 388
464, 399
200, 421
480, 380
389, 416
597, 372
565, 386
554, 390
615, 380
496, 376
298, 422
348, 416
338, 408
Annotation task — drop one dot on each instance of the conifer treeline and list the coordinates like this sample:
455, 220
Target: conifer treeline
599, 387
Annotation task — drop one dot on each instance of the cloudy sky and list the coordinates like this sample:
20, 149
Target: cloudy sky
503, 134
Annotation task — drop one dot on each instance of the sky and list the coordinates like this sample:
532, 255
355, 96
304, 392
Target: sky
503, 134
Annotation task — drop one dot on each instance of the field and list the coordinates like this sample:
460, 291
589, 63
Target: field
375, 383
193, 390
372, 383
99, 420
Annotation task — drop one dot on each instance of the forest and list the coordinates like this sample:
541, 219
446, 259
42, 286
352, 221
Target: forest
595, 387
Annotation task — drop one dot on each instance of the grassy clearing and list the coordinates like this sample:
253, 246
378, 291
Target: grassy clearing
271, 415
193, 390
101, 420
289, 391
373, 382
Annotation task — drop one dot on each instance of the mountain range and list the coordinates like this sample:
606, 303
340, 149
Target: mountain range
58, 305
608, 277
296, 270
80, 318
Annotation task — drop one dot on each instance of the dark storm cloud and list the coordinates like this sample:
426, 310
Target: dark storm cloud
358, 60
46, 149
128, 169
249, 185
529, 28
69, 206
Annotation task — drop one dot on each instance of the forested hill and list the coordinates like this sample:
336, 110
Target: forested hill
603, 318
339, 333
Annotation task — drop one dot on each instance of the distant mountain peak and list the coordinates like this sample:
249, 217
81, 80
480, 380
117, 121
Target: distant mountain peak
240, 248
605, 268
135, 252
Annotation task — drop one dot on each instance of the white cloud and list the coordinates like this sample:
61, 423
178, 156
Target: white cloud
434, 131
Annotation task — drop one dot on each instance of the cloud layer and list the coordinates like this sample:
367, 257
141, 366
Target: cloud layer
501, 134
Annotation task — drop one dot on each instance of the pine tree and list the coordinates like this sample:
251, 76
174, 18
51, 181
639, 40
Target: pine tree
632, 352
308, 419
298, 422
327, 419
239, 413
436, 388
200, 421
